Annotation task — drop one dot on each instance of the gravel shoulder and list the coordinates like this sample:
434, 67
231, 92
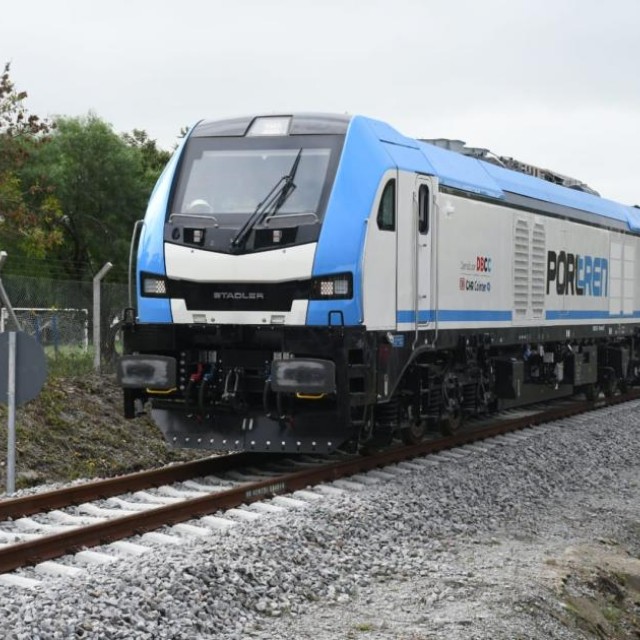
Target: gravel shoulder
536, 538
554, 553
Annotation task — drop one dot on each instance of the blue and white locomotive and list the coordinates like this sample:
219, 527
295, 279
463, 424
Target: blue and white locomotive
308, 280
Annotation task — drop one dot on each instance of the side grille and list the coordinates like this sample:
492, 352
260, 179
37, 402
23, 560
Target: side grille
528, 269
538, 265
521, 269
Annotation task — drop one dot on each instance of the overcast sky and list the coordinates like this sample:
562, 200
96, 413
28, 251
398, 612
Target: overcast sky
551, 82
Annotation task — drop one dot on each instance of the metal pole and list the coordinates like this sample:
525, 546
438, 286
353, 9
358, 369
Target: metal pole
96, 315
11, 426
4, 298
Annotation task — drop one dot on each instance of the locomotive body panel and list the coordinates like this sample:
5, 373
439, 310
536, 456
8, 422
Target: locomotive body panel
379, 280
522, 268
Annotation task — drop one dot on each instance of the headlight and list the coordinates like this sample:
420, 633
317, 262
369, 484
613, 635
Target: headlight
334, 287
141, 371
303, 375
270, 126
154, 286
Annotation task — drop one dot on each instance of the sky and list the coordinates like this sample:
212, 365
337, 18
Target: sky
555, 83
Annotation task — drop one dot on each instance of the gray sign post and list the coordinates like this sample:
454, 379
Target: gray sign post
23, 371
11, 423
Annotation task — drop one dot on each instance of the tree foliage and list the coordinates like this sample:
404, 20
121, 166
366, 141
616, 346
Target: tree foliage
70, 190
97, 180
29, 210
15, 120
153, 160
102, 181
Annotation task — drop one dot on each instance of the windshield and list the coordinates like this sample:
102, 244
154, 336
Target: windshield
236, 178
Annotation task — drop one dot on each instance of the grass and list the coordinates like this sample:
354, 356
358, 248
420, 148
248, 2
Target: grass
69, 362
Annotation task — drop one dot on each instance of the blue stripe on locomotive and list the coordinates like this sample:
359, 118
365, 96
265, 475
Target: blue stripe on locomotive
475, 176
454, 315
523, 184
341, 241
151, 247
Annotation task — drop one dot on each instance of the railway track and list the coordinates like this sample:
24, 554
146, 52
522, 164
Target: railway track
37, 529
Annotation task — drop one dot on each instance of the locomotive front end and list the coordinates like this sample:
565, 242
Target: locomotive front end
221, 346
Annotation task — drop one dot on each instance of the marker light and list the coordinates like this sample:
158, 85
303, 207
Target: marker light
154, 286
270, 126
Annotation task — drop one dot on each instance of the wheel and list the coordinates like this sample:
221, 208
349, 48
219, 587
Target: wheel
377, 443
413, 432
450, 423
609, 387
451, 418
608, 381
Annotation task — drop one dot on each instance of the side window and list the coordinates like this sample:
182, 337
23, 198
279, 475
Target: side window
423, 209
387, 209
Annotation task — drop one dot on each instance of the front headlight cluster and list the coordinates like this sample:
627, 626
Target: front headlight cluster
153, 285
334, 287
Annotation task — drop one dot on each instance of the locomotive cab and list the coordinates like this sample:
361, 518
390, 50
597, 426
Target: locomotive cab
241, 336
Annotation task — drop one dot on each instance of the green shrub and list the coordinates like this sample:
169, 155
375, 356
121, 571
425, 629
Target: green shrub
63, 363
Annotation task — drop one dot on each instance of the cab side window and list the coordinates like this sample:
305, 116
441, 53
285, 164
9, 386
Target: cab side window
423, 209
387, 210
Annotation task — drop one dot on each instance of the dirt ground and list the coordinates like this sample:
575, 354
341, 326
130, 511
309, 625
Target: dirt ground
75, 429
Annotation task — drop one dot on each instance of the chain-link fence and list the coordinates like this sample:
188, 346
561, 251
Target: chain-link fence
59, 314
52, 327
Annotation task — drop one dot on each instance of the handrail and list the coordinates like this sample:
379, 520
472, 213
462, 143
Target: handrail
135, 236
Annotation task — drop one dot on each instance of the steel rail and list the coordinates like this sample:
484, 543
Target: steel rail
138, 481
53, 546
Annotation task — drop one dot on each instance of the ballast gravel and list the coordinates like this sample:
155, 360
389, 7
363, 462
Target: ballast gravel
486, 544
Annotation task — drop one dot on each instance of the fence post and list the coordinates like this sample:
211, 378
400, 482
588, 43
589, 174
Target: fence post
4, 298
97, 347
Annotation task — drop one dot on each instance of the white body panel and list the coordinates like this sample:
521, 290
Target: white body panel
280, 265
495, 261
297, 315
474, 244
406, 222
622, 265
379, 279
488, 265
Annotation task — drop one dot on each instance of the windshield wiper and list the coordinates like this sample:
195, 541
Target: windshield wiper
270, 205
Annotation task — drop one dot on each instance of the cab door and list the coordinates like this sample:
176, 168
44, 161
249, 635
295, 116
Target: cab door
425, 190
416, 230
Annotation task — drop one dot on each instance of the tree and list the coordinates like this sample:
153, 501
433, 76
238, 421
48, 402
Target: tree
102, 182
70, 190
153, 160
29, 211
